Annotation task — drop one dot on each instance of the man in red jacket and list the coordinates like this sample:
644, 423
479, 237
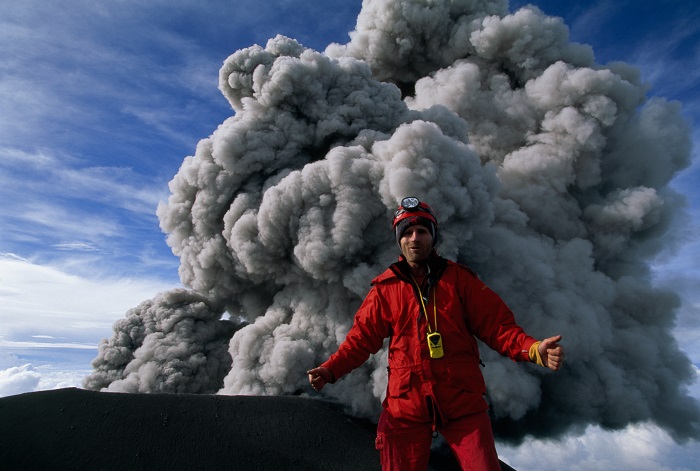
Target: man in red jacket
432, 309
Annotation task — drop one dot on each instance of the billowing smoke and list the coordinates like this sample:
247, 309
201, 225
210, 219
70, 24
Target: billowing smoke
172, 343
549, 175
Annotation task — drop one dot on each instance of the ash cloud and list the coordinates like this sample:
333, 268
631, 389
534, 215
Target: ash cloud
175, 342
549, 174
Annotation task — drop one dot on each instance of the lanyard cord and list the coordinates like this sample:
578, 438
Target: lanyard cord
425, 311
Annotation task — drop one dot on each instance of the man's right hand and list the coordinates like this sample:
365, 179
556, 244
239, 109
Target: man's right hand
318, 377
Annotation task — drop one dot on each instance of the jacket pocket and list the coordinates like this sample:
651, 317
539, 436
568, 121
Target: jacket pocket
467, 377
399, 381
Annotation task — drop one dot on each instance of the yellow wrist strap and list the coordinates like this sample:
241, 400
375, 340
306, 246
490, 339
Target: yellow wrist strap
535, 356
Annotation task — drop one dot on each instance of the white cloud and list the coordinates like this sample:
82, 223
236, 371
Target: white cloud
52, 321
42, 300
642, 447
30, 378
18, 379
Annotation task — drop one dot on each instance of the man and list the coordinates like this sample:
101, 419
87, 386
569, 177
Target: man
432, 308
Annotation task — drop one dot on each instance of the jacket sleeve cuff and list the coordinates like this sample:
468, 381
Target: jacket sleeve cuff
327, 366
535, 356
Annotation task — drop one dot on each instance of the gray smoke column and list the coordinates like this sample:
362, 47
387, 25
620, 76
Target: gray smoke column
549, 175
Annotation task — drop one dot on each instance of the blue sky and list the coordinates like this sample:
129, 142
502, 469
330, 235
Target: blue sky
100, 103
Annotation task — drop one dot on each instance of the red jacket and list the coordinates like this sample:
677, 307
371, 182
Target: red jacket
466, 308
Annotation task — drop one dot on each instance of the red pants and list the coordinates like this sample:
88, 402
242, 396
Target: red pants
406, 445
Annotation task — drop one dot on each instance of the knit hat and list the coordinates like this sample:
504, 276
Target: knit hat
412, 221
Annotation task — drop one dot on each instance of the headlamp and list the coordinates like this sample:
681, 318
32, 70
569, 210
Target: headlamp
410, 204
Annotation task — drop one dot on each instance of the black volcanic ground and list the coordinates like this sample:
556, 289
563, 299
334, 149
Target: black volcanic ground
75, 429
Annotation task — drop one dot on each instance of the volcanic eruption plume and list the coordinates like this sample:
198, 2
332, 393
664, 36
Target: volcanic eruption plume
549, 175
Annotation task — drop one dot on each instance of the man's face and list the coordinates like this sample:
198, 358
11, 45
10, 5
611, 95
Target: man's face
416, 244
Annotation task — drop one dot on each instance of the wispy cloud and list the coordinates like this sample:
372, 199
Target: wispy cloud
69, 223
64, 203
76, 246
670, 62
35, 344
72, 80
68, 177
